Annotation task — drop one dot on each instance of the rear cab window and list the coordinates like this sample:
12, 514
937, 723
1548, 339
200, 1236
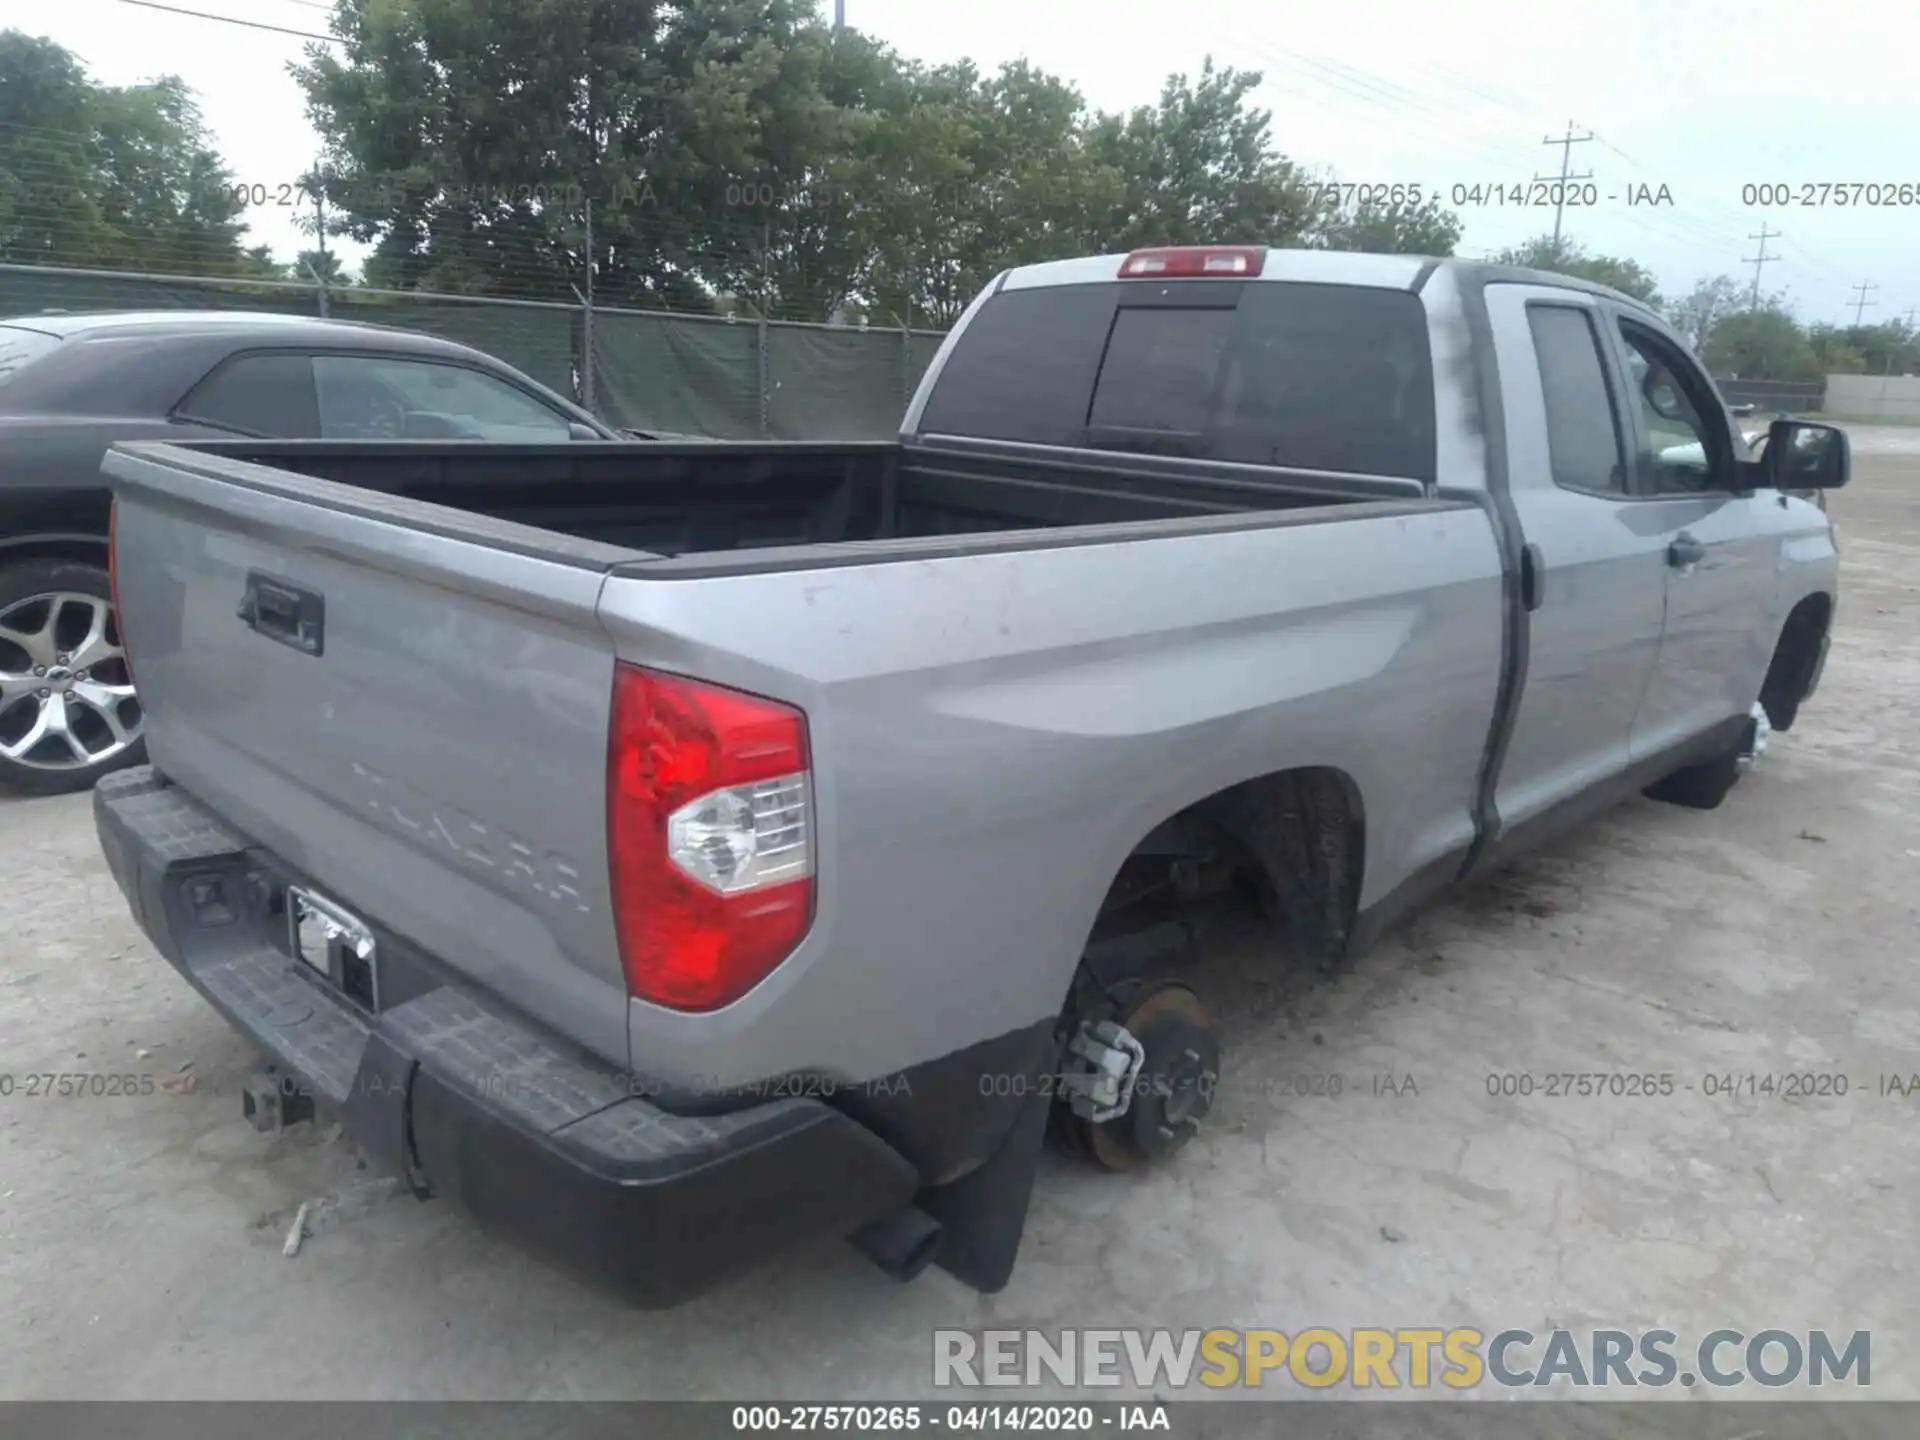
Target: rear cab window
1289, 374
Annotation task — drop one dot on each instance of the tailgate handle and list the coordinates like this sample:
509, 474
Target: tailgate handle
285, 613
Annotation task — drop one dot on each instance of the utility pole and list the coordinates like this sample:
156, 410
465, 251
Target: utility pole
1753, 300
1566, 143
839, 16
1861, 302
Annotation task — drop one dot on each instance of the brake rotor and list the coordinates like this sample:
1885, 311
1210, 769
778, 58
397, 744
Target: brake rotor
1174, 1089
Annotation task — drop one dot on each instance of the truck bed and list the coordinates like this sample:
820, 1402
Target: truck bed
403, 689
694, 498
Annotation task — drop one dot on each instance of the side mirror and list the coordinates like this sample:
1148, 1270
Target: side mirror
579, 431
1805, 455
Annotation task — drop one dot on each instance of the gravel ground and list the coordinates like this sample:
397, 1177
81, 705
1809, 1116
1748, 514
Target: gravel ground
140, 1235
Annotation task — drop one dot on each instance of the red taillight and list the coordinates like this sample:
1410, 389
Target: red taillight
709, 837
113, 580
1183, 261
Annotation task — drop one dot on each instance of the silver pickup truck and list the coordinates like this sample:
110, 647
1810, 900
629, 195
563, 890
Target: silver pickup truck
671, 852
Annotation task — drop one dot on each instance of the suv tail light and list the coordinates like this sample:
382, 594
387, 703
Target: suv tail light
709, 837
1181, 261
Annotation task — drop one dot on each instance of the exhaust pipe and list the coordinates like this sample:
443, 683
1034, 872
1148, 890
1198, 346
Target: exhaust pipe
901, 1244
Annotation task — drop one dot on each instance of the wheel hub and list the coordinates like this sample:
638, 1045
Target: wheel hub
66, 695
1172, 1089
1176, 1087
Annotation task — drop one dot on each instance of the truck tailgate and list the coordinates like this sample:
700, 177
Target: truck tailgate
301, 646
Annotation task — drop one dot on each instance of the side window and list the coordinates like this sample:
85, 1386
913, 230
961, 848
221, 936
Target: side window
1582, 438
1673, 409
369, 397
268, 395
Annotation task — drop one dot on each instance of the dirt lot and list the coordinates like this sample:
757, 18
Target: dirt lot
140, 1237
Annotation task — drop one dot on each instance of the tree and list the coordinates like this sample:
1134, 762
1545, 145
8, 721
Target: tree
1392, 227
1863, 349
49, 208
467, 140
1762, 344
1198, 168
110, 176
1843, 350
1704, 307
984, 172
164, 190
800, 216
1567, 257
326, 264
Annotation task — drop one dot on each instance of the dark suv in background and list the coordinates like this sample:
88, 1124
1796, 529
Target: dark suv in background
71, 385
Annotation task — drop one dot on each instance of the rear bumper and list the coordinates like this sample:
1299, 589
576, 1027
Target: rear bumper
471, 1103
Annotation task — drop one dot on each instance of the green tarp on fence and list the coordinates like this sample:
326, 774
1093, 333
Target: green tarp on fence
708, 377
699, 377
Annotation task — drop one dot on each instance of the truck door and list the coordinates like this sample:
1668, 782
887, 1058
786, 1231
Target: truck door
1719, 545
1593, 577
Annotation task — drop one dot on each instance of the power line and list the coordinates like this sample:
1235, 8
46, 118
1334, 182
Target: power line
1378, 94
1702, 229
1753, 301
1828, 271
1566, 144
230, 20
1861, 301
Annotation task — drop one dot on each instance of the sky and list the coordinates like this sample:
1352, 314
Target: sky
1705, 98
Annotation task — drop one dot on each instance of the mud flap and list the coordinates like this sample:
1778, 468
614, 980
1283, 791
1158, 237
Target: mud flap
984, 1212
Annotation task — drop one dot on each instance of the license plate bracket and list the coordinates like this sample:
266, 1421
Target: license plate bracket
335, 944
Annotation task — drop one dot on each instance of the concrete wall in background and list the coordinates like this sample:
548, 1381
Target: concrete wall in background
1873, 397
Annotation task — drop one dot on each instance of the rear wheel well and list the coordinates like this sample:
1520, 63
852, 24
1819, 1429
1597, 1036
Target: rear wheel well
1794, 658
1298, 836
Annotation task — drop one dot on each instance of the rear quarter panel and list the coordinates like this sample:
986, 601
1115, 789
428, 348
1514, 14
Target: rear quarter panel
993, 733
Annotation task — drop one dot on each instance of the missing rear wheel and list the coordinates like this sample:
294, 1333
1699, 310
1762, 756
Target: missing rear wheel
1172, 1092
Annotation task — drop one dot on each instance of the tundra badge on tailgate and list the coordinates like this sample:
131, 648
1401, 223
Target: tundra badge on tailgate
489, 848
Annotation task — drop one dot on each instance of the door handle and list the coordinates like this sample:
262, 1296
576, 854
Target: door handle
1685, 552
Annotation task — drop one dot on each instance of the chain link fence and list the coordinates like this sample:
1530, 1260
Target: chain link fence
722, 378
